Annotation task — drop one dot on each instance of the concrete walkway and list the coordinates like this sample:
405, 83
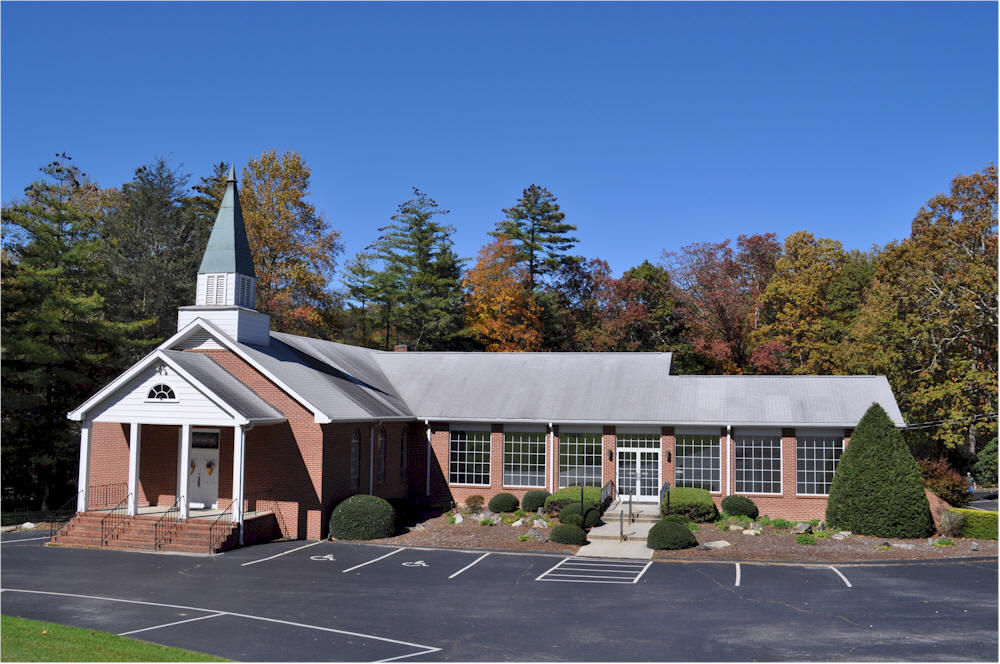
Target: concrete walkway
605, 541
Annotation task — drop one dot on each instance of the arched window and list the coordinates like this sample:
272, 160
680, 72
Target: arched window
161, 392
380, 475
356, 459
402, 454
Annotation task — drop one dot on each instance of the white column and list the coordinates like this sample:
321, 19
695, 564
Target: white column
135, 443
183, 468
83, 483
239, 452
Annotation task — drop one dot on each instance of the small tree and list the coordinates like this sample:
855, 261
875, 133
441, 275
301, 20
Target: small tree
877, 489
985, 469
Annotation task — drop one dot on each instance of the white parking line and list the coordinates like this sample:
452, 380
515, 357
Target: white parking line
595, 570
425, 650
23, 539
170, 624
841, 576
391, 553
468, 566
737, 574
283, 553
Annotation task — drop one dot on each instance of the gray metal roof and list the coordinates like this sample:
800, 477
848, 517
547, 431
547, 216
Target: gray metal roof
226, 386
341, 381
228, 249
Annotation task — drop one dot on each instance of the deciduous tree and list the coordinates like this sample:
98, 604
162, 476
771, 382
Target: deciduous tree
499, 311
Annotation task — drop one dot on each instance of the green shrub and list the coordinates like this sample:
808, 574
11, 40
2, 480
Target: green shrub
563, 497
682, 519
740, 505
695, 503
877, 489
503, 503
979, 524
781, 524
764, 520
589, 518
572, 520
942, 541
944, 482
692, 526
805, 539
671, 536
742, 518
475, 503
567, 534
985, 468
534, 499
363, 517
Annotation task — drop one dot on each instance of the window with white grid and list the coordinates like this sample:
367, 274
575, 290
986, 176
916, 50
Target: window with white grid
469, 457
698, 461
523, 458
579, 459
816, 459
402, 454
638, 440
380, 472
355, 459
758, 463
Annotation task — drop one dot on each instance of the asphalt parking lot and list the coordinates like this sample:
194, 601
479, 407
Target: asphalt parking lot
338, 601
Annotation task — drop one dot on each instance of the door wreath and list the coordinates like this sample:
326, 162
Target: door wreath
191, 471
210, 466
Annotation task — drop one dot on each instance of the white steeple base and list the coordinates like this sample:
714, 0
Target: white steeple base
245, 325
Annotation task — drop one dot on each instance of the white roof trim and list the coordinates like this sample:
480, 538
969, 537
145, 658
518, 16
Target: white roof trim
155, 356
318, 416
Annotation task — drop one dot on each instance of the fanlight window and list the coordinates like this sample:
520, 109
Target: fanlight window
162, 392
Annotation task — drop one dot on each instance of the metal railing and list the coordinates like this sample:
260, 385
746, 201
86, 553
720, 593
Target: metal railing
220, 529
166, 524
115, 520
665, 492
607, 495
57, 518
100, 496
263, 500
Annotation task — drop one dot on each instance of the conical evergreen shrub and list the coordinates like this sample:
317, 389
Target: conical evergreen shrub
877, 489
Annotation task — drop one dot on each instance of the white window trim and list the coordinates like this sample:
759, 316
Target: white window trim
712, 432
580, 431
816, 433
781, 460
489, 467
545, 469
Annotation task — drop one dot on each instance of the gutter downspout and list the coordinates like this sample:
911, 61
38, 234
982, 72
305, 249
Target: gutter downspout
371, 459
552, 459
427, 429
729, 458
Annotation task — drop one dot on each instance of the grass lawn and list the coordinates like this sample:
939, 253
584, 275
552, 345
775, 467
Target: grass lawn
23, 640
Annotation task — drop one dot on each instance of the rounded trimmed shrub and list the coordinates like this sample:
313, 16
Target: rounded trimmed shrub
534, 499
671, 536
590, 517
503, 503
567, 534
682, 519
572, 520
697, 504
740, 506
877, 489
363, 517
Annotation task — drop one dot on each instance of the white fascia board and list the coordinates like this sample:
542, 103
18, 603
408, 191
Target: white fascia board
78, 414
318, 416
664, 423
240, 418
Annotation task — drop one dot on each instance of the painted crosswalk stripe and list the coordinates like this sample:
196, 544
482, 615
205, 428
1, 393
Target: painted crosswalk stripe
595, 570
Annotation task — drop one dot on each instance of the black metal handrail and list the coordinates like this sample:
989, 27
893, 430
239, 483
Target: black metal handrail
607, 495
220, 529
166, 524
103, 495
665, 492
63, 514
115, 520
264, 500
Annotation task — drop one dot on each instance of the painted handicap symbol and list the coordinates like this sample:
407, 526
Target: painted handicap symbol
418, 563
328, 557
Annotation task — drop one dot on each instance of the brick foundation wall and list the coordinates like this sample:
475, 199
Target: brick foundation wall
108, 454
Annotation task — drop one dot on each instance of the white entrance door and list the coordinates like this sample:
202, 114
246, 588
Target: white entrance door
203, 470
639, 474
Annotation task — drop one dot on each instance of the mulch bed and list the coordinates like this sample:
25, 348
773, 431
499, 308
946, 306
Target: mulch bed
469, 534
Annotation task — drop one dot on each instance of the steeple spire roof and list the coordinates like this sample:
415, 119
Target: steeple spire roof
228, 249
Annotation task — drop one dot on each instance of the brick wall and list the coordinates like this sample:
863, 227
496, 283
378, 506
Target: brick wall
108, 454
157, 464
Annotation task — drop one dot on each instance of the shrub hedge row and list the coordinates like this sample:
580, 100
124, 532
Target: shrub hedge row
979, 524
697, 504
569, 534
671, 536
563, 497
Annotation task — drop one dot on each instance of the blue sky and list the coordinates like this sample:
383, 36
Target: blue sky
656, 125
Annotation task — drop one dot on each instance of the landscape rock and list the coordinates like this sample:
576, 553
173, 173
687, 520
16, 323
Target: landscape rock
541, 510
736, 527
496, 519
459, 518
420, 528
802, 528
904, 545
534, 534
27, 525
540, 523
717, 544
839, 537
975, 546
519, 522
821, 526
845, 533
751, 531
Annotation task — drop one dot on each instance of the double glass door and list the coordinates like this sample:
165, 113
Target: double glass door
638, 474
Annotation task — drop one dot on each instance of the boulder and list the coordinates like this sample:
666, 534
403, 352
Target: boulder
534, 534
420, 528
27, 525
459, 518
904, 545
751, 531
496, 519
717, 544
519, 522
540, 523
845, 533
975, 546
736, 527
802, 528
840, 537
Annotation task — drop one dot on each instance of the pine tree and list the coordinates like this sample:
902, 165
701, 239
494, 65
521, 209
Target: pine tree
57, 342
877, 488
419, 284
536, 228
361, 297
